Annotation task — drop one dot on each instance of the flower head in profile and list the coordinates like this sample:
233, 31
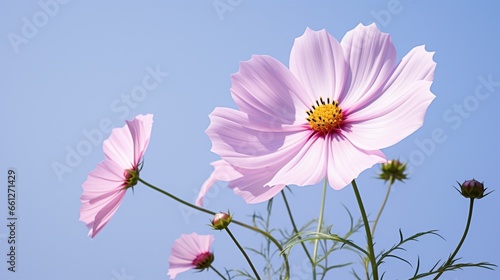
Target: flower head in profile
327, 115
190, 251
105, 187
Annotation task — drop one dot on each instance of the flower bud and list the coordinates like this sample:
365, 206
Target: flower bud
221, 220
472, 189
393, 170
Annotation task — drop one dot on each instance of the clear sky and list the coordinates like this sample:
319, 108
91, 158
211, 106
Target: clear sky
68, 70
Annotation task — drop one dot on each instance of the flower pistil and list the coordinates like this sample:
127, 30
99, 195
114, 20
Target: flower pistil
325, 116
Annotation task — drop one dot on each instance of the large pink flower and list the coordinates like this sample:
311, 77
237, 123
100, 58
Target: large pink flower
190, 251
326, 116
106, 185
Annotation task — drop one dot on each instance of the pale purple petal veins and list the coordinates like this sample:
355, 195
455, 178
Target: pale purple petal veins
346, 162
106, 211
386, 130
126, 144
140, 130
317, 60
258, 194
108, 177
252, 185
243, 143
119, 147
307, 167
371, 56
400, 110
223, 171
264, 88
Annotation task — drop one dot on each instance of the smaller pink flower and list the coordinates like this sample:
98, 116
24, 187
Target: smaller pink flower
105, 187
190, 251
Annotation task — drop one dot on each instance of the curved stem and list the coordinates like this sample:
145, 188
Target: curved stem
244, 253
382, 207
320, 225
218, 273
369, 239
469, 219
267, 235
295, 227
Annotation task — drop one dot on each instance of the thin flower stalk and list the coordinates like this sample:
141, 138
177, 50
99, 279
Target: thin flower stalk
469, 219
318, 230
295, 229
371, 251
243, 252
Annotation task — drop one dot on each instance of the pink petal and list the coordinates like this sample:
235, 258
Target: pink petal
400, 110
107, 211
249, 143
119, 147
253, 187
371, 56
223, 171
108, 177
346, 162
140, 130
102, 194
264, 88
127, 144
307, 167
317, 60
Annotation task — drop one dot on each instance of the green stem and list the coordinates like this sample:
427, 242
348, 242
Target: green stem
469, 219
244, 253
371, 252
267, 235
295, 227
216, 271
382, 207
320, 225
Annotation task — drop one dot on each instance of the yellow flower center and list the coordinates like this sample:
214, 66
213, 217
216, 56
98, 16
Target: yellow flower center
325, 116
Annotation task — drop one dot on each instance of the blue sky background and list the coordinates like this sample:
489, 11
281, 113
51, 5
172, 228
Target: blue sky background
67, 68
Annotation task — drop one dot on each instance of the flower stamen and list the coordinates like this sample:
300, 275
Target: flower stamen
325, 116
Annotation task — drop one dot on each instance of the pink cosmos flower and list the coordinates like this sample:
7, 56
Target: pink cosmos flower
190, 251
106, 185
326, 116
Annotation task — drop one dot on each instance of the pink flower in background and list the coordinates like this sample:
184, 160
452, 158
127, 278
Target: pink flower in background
326, 116
106, 185
190, 251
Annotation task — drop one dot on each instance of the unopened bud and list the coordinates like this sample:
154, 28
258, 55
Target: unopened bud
472, 189
221, 220
393, 170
